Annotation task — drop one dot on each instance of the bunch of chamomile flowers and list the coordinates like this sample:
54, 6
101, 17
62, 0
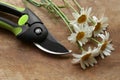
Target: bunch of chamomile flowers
87, 28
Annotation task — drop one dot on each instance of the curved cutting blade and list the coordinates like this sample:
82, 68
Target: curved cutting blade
50, 45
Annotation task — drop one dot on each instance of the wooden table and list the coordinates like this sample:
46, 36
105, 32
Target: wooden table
20, 61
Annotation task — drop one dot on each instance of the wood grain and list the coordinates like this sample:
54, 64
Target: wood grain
20, 61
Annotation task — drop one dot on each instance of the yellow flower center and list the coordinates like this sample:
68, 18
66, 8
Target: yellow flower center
98, 26
82, 19
80, 35
85, 57
104, 46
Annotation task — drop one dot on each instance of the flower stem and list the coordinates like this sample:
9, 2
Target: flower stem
70, 6
92, 21
38, 4
62, 15
95, 40
80, 46
78, 5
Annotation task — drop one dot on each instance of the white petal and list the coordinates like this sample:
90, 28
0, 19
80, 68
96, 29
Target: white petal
72, 38
104, 20
95, 18
89, 11
102, 36
72, 22
107, 35
105, 25
110, 47
76, 15
108, 50
93, 60
102, 56
86, 63
80, 43
82, 65
76, 28
106, 53
95, 52
91, 63
76, 55
82, 10
76, 61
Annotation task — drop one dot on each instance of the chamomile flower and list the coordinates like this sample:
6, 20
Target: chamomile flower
81, 34
85, 59
105, 46
82, 18
100, 25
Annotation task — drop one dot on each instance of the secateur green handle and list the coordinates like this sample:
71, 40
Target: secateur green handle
9, 25
29, 26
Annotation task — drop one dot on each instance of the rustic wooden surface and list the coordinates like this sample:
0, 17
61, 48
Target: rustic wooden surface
20, 61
